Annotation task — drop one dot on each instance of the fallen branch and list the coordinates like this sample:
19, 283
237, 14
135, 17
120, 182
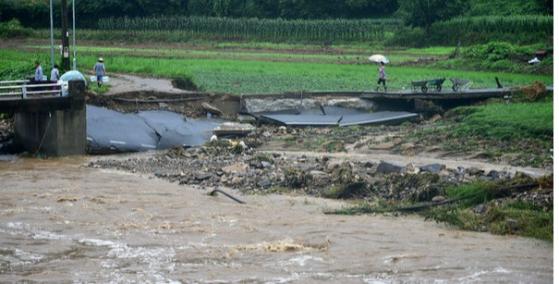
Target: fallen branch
216, 191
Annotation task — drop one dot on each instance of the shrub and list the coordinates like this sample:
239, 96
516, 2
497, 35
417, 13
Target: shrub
13, 29
409, 37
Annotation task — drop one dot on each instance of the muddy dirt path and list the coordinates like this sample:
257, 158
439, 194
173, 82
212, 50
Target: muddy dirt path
124, 83
417, 160
62, 222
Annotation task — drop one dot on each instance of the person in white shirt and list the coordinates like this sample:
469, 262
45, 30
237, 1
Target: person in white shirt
38, 72
99, 70
54, 74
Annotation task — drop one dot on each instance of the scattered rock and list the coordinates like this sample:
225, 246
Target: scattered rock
411, 169
319, 178
387, 168
438, 199
211, 109
246, 118
433, 168
66, 199
236, 168
480, 209
407, 148
203, 176
512, 224
474, 172
265, 182
435, 118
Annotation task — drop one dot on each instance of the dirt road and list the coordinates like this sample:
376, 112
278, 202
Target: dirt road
124, 83
62, 222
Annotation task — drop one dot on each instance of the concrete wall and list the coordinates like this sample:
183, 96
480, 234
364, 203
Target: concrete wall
55, 132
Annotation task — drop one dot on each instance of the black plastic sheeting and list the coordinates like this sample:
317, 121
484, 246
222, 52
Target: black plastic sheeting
335, 116
110, 131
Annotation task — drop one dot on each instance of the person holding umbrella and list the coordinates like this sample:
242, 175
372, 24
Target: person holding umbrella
382, 60
381, 76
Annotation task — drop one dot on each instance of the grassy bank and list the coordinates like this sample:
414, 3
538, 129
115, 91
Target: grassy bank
496, 207
251, 76
520, 134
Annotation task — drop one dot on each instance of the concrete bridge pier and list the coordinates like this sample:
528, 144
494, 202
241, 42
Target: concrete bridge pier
55, 131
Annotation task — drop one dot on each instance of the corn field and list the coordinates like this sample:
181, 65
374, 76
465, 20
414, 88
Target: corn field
259, 29
519, 29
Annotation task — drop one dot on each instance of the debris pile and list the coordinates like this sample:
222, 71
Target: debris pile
235, 164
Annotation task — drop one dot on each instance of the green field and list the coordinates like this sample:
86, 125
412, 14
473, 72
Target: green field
238, 75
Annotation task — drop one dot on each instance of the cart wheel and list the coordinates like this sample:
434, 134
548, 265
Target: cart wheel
424, 89
439, 88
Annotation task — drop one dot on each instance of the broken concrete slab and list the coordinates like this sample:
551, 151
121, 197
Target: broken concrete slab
234, 129
334, 116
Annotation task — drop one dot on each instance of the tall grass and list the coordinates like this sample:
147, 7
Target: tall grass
259, 29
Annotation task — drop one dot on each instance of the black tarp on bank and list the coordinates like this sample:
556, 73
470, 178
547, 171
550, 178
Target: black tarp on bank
334, 116
110, 131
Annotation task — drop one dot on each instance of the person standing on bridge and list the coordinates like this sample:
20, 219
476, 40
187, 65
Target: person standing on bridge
381, 76
99, 69
38, 78
54, 77
54, 74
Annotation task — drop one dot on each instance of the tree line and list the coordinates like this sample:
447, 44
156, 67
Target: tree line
419, 13
35, 13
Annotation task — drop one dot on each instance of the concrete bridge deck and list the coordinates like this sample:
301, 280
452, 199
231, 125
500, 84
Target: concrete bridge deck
443, 95
46, 121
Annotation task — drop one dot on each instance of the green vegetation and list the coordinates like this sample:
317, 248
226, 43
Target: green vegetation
523, 29
507, 121
12, 29
499, 56
99, 90
421, 13
276, 30
510, 7
478, 206
254, 77
517, 133
380, 21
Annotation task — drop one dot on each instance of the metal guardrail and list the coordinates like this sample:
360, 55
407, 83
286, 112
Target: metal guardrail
24, 90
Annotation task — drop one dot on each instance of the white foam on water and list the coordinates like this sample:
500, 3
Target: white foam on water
157, 259
27, 256
18, 228
476, 275
301, 260
375, 281
281, 280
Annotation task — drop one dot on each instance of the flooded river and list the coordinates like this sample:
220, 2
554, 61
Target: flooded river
62, 222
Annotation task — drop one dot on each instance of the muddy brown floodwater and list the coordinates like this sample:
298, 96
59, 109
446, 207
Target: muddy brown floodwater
63, 222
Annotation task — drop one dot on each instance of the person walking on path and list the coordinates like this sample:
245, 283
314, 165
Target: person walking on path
38, 78
99, 69
381, 76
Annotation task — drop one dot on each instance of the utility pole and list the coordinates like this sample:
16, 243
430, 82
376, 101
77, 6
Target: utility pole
51, 37
75, 60
65, 37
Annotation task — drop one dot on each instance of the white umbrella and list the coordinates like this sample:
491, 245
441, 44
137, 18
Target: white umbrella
378, 58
